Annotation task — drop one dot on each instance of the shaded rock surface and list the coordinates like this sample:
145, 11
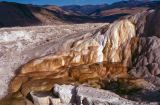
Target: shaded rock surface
147, 63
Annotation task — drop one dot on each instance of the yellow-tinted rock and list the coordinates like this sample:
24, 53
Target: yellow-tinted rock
104, 56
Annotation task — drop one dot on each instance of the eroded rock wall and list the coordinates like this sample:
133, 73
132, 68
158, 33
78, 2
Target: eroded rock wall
96, 58
19, 45
112, 46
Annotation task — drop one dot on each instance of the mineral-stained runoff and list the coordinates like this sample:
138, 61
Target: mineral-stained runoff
16, 50
100, 58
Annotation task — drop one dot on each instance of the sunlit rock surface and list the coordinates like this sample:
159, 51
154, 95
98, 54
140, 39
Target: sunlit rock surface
20, 45
76, 61
82, 95
99, 58
112, 46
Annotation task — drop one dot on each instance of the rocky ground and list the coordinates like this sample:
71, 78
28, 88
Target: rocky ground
121, 57
80, 95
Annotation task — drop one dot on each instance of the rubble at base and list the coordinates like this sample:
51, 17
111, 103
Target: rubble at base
82, 95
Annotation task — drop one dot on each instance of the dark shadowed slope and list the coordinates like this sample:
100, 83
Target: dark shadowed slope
15, 14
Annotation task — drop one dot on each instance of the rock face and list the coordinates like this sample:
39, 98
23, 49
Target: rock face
78, 56
31, 43
96, 58
147, 63
112, 46
44, 99
143, 22
146, 57
153, 20
76, 60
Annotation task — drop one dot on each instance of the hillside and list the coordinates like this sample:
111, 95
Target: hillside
15, 14
126, 7
83, 10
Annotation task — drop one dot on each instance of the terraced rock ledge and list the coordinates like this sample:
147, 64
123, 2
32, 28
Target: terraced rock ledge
113, 57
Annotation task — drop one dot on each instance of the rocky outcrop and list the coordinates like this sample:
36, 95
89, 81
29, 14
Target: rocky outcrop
44, 99
84, 95
91, 96
146, 57
111, 46
146, 62
20, 45
146, 23
153, 20
67, 94
78, 56
100, 59
76, 60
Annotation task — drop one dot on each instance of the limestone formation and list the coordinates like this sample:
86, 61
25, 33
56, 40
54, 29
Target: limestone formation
113, 46
98, 58
19, 45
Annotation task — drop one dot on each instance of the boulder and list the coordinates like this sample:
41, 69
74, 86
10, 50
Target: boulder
66, 93
90, 96
40, 100
44, 99
85, 95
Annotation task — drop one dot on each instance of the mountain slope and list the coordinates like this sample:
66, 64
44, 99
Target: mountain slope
83, 10
15, 14
127, 7
122, 57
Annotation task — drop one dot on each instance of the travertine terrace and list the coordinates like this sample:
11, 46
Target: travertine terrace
121, 57
20, 45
